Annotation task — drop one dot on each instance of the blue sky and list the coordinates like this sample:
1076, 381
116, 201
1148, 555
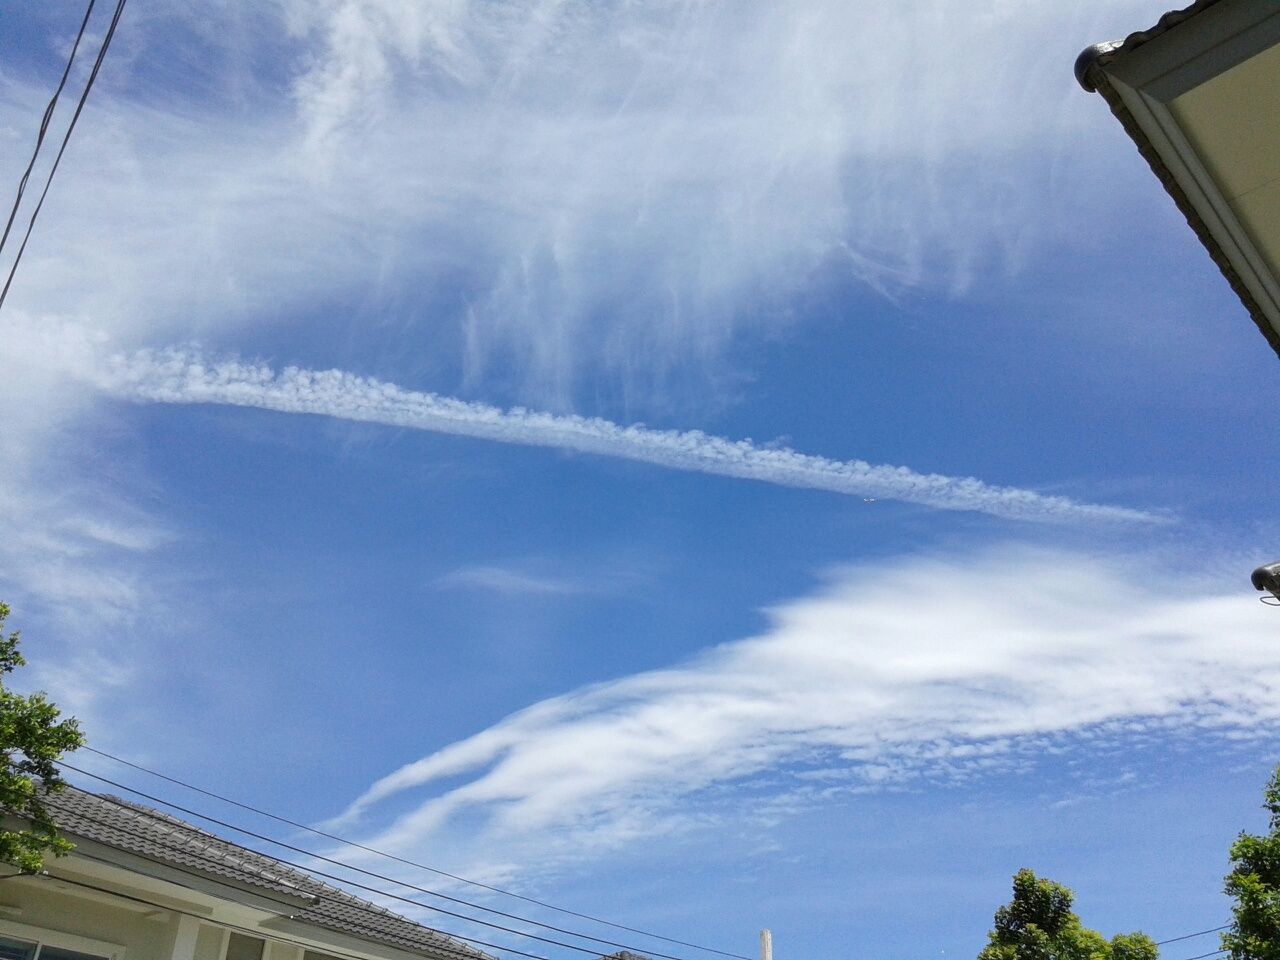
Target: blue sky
350, 383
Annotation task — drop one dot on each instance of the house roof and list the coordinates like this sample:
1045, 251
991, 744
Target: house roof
159, 836
1102, 53
1092, 72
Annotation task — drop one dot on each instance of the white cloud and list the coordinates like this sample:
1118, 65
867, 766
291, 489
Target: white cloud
68, 534
945, 666
504, 580
529, 195
639, 184
177, 376
532, 195
557, 191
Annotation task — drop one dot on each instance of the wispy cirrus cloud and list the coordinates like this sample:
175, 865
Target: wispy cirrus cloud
942, 667
69, 532
182, 377
553, 193
535, 195
506, 580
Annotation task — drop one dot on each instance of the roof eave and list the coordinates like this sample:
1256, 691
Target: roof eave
1092, 74
1090, 58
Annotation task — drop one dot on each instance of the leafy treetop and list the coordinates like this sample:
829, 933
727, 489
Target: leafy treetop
32, 737
1254, 884
1038, 925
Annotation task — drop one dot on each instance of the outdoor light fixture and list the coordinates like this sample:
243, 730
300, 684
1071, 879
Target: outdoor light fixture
1267, 578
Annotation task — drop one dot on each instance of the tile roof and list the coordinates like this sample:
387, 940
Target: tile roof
158, 836
1102, 53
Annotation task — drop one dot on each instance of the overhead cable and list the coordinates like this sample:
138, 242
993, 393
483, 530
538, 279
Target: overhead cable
1188, 936
44, 126
1204, 956
93, 75
278, 938
247, 875
251, 931
378, 876
422, 866
342, 880
384, 893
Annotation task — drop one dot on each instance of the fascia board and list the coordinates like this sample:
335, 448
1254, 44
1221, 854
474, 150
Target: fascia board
1198, 49
325, 940
221, 890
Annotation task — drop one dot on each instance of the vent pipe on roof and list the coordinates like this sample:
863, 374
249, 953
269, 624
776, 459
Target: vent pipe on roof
766, 945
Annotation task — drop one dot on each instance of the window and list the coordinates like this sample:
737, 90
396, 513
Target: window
17, 949
239, 947
14, 949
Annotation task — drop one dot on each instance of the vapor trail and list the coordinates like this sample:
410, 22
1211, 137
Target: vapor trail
182, 376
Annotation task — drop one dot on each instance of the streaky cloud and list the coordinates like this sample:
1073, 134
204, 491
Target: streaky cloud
916, 669
503, 580
181, 376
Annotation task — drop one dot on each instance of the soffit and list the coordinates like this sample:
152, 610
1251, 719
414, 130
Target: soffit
1233, 121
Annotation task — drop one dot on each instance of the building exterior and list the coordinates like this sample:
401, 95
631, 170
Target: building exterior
1199, 93
142, 885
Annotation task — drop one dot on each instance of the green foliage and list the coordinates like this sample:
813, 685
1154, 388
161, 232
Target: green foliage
1038, 925
1254, 883
32, 737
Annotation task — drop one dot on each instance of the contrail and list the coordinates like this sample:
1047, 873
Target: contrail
183, 376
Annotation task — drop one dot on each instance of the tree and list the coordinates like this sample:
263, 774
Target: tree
32, 738
1254, 884
1038, 925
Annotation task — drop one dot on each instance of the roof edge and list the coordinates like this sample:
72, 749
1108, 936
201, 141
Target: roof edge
1089, 58
147, 841
1099, 54
1201, 229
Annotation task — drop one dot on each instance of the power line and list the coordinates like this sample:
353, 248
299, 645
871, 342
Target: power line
411, 886
1188, 936
249, 876
420, 866
337, 879
44, 126
93, 75
393, 896
1204, 956
277, 938
260, 934
378, 876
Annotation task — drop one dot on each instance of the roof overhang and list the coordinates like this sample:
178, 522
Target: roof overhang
1199, 94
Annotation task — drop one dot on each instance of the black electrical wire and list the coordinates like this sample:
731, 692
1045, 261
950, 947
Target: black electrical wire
93, 75
125, 806
1204, 956
292, 823
341, 880
44, 126
260, 934
370, 873
411, 863
1188, 936
249, 876
278, 938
